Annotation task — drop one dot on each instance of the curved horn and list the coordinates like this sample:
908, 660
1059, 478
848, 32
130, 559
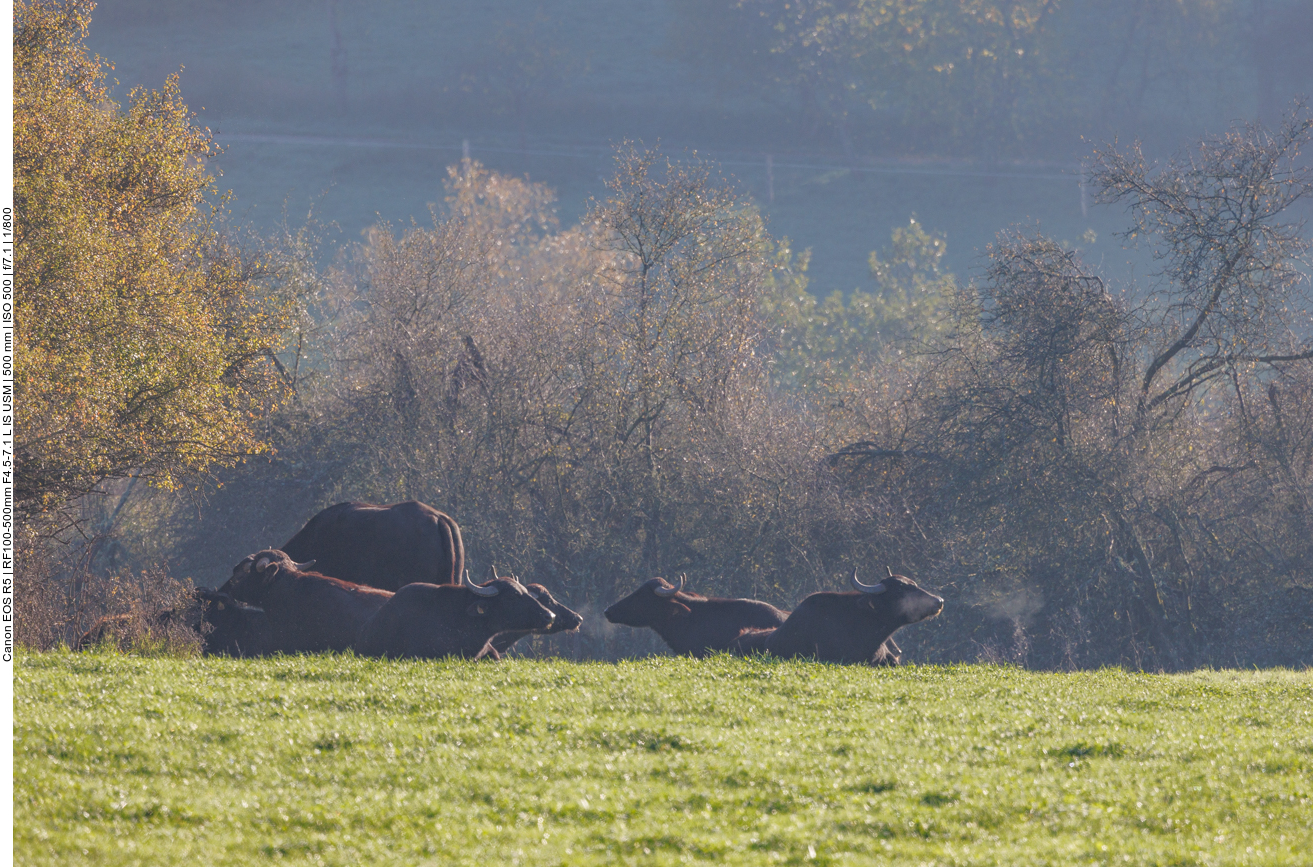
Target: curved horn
302, 567
868, 588
477, 590
667, 592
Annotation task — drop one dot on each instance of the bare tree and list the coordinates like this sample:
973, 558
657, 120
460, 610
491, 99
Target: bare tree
1231, 298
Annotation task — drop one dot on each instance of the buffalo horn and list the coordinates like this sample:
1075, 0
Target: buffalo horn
667, 592
477, 590
868, 588
302, 567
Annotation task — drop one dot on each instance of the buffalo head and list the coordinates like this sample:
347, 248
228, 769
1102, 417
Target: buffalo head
898, 596
656, 601
506, 601
253, 573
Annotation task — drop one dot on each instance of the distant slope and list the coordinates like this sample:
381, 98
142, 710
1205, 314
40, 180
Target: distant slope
364, 133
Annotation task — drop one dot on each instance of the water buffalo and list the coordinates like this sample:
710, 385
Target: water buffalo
853, 627
429, 621
226, 627
382, 546
307, 612
690, 623
232, 628
267, 558
753, 641
564, 620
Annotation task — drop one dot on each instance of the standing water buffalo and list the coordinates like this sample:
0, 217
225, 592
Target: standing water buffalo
429, 621
853, 627
382, 546
307, 612
690, 623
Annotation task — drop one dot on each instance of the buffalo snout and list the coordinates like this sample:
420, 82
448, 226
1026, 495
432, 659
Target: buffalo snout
567, 620
923, 607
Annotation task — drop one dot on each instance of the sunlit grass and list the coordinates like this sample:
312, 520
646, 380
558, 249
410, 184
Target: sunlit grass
338, 760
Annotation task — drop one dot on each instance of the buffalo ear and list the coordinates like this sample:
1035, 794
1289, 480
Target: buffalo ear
476, 609
682, 610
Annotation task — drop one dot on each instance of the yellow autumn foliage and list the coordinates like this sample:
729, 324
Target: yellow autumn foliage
145, 333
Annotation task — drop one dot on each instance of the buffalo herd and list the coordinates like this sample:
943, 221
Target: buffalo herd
390, 581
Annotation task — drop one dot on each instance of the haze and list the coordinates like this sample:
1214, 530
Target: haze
355, 109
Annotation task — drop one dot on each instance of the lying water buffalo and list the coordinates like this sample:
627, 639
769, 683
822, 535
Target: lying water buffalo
382, 546
307, 612
563, 620
853, 627
232, 628
752, 641
226, 627
690, 623
429, 621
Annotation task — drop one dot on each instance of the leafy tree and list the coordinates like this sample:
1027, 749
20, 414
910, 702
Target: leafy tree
821, 339
997, 77
912, 290
688, 264
962, 71
145, 334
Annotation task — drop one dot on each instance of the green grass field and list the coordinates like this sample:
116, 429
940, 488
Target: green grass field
339, 760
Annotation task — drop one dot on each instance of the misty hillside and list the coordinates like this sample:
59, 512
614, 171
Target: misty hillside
356, 108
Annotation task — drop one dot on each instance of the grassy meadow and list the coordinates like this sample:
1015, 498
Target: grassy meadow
339, 760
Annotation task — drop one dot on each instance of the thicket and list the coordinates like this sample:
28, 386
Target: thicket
1088, 476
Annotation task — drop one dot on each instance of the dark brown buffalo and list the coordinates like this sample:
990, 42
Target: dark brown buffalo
232, 628
564, 620
226, 627
429, 621
307, 612
690, 623
270, 557
382, 546
854, 627
753, 641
